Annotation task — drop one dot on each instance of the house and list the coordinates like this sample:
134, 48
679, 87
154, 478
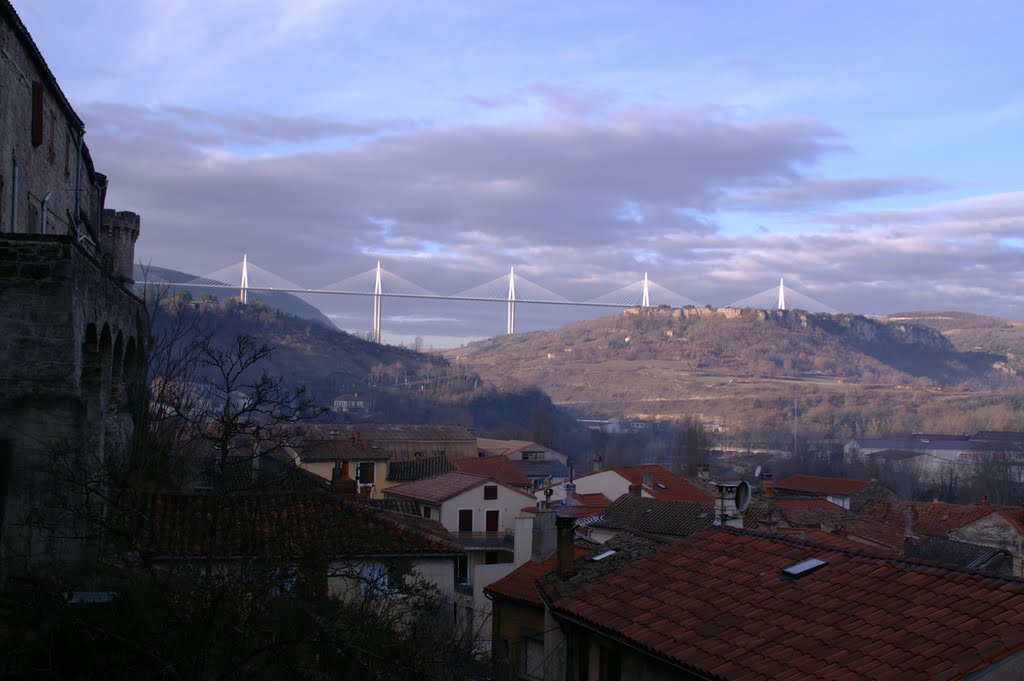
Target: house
934, 451
405, 441
325, 542
542, 465
662, 518
499, 468
740, 604
844, 492
366, 458
522, 626
998, 527
656, 482
417, 469
350, 404
73, 334
481, 514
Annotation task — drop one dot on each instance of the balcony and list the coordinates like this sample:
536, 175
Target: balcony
487, 540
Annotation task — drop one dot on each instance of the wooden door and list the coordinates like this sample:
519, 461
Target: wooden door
492, 521
466, 520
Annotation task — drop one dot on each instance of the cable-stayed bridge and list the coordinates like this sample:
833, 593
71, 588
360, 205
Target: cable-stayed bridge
510, 289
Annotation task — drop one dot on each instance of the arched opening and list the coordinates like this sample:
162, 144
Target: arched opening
116, 373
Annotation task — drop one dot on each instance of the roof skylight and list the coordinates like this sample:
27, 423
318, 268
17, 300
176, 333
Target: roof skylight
804, 568
603, 554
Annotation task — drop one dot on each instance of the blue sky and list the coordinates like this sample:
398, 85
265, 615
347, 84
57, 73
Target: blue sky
868, 152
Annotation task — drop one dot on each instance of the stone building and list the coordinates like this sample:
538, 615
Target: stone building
72, 334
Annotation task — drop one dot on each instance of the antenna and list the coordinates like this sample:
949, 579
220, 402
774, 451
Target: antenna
742, 496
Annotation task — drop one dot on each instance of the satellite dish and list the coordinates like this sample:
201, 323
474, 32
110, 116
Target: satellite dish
757, 472
742, 496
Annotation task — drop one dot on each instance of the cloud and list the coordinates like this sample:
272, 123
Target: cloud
582, 206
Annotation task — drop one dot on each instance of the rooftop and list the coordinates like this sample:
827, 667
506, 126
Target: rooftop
498, 468
272, 524
417, 469
818, 484
661, 517
935, 518
438, 488
718, 602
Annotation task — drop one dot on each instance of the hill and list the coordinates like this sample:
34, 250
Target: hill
285, 302
850, 374
973, 333
403, 385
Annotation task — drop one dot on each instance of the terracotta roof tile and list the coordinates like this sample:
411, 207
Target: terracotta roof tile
417, 469
849, 619
666, 485
933, 518
439, 487
498, 468
279, 524
819, 484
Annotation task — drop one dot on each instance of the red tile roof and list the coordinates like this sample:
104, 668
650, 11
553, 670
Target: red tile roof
438, 488
822, 485
933, 518
341, 449
498, 468
518, 584
666, 485
672, 518
281, 524
810, 511
719, 603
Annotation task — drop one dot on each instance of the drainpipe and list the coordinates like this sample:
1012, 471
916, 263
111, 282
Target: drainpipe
46, 200
14, 193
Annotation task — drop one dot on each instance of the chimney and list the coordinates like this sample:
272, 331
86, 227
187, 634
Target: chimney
767, 486
564, 527
648, 478
598, 464
635, 490
726, 512
341, 484
703, 471
570, 494
544, 536
984, 500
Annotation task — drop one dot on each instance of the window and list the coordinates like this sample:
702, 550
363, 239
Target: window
490, 491
491, 558
491, 519
426, 511
532, 665
377, 579
364, 473
462, 569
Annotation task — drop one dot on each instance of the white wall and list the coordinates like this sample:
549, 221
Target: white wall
509, 503
608, 483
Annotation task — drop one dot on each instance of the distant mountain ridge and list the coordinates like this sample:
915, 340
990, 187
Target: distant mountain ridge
285, 302
668, 362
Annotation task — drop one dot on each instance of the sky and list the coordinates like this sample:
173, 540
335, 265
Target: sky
868, 152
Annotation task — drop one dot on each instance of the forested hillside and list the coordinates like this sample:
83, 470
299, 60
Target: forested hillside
847, 374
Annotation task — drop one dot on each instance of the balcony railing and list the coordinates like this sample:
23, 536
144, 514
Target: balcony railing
463, 588
487, 540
